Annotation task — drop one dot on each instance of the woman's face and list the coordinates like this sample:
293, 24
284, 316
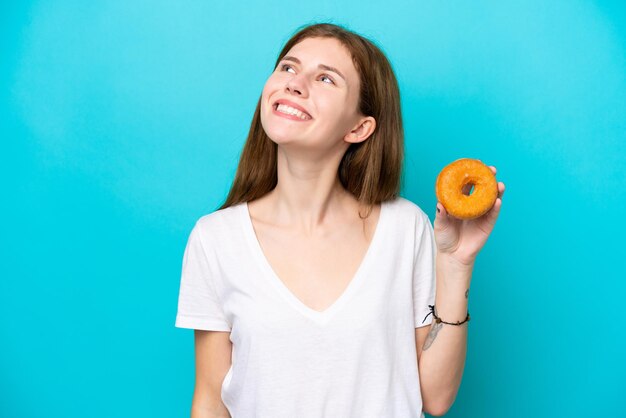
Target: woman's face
328, 96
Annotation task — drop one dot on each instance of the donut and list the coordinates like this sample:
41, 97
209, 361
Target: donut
453, 188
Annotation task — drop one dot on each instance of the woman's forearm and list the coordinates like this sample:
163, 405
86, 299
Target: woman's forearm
217, 412
443, 355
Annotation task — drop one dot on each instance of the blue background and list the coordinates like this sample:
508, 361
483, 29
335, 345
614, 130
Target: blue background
122, 123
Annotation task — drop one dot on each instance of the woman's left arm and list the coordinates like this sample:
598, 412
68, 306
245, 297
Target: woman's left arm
442, 358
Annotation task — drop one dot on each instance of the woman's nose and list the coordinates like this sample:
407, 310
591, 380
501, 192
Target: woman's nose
296, 85
294, 90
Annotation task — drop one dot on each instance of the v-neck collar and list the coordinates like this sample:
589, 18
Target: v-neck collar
320, 317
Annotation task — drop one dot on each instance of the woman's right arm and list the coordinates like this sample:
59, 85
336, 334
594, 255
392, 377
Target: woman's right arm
213, 359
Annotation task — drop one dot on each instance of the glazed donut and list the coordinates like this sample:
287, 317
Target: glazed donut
453, 188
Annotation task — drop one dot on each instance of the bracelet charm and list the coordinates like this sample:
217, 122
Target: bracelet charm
440, 321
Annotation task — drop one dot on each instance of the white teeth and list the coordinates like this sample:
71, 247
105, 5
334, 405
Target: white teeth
291, 111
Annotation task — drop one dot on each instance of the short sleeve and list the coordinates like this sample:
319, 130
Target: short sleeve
198, 304
424, 283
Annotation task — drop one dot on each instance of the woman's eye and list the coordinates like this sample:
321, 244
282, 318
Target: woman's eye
331, 80
284, 66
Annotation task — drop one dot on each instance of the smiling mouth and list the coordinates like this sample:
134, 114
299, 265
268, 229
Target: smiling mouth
298, 115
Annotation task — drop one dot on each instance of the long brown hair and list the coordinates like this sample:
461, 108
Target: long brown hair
371, 170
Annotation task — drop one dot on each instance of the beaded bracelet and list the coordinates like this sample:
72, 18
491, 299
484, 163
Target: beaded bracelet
440, 321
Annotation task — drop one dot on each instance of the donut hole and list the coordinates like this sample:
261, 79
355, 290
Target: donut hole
468, 189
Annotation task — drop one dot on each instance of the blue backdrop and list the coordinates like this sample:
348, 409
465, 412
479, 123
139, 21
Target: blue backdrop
122, 123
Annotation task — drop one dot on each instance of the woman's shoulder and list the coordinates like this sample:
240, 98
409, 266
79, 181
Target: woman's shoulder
407, 208
219, 221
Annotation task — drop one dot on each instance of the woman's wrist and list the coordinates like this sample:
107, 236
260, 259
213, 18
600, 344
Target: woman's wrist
452, 267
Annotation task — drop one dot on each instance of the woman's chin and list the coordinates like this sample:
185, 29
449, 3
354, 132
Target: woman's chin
282, 139
283, 136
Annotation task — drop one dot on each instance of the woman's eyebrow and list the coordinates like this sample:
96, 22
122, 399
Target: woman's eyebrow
322, 66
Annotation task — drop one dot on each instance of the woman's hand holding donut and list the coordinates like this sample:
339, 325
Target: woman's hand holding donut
461, 240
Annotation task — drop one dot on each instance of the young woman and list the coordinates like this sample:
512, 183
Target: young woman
311, 289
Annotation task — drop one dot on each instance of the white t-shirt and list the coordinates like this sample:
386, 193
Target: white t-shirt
355, 359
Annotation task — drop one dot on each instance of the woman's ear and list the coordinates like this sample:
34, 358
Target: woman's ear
362, 131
